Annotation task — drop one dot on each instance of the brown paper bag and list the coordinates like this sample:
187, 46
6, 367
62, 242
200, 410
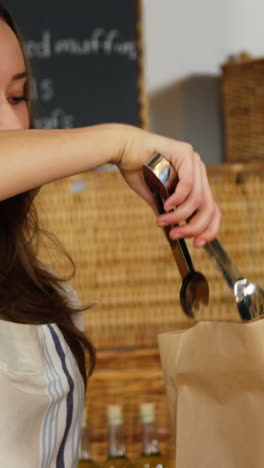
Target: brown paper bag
214, 378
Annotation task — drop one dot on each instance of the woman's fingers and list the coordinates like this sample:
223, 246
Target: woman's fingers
202, 227
211, 230
198, 197
194, 196
199, 207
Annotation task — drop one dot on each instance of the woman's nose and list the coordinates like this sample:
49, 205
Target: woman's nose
9, 118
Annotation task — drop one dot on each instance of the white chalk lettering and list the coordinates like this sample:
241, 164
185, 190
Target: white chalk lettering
108, 42
43, 90
126, 48
46, 89
41, 49
70, 46
100, 41
58, 118
95, 40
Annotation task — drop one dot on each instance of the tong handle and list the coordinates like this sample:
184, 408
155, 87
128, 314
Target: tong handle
221, 260
178, 247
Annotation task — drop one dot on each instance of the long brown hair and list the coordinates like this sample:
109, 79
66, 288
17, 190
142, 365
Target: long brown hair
31, 293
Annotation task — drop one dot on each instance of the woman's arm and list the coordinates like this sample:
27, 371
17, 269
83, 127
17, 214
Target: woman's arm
31, 158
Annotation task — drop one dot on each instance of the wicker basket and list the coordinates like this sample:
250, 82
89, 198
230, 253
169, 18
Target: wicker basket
125, 265
243, 95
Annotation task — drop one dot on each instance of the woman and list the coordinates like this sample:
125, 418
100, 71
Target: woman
42, 362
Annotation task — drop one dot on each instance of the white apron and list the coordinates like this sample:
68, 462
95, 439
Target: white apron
41, 398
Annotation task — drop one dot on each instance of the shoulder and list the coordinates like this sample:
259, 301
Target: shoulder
71, 296
74, 300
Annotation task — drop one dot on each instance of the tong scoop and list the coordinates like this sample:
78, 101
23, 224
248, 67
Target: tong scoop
161, 179
249, 297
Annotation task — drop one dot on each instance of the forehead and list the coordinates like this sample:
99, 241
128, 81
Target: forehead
11, 57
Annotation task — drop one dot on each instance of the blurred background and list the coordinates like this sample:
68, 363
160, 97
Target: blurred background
150, 63
186, 42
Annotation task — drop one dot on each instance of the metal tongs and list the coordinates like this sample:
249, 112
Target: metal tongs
161, 178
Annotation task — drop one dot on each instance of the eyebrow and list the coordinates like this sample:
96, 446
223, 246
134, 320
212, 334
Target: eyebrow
20, 76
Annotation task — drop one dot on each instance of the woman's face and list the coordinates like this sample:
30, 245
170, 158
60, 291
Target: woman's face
13, 75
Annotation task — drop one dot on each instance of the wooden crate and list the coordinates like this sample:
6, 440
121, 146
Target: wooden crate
243, 101
125, 266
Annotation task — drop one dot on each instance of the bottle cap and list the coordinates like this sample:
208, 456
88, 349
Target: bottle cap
147, 413
114, 414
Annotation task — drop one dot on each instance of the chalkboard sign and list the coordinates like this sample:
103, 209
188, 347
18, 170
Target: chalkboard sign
86, 60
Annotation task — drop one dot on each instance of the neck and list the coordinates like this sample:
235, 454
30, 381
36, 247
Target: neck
116, 441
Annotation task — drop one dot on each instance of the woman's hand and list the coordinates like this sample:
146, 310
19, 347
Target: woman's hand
192, 198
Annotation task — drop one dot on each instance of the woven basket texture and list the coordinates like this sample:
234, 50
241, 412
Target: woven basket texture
125, 266
243, 102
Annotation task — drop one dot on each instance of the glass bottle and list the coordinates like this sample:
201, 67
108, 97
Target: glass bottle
151, 456
117, 457
85, 457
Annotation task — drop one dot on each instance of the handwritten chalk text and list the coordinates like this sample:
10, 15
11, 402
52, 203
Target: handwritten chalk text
58, 118
100, 41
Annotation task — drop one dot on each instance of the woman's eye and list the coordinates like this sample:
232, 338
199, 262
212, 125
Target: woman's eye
17, 99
